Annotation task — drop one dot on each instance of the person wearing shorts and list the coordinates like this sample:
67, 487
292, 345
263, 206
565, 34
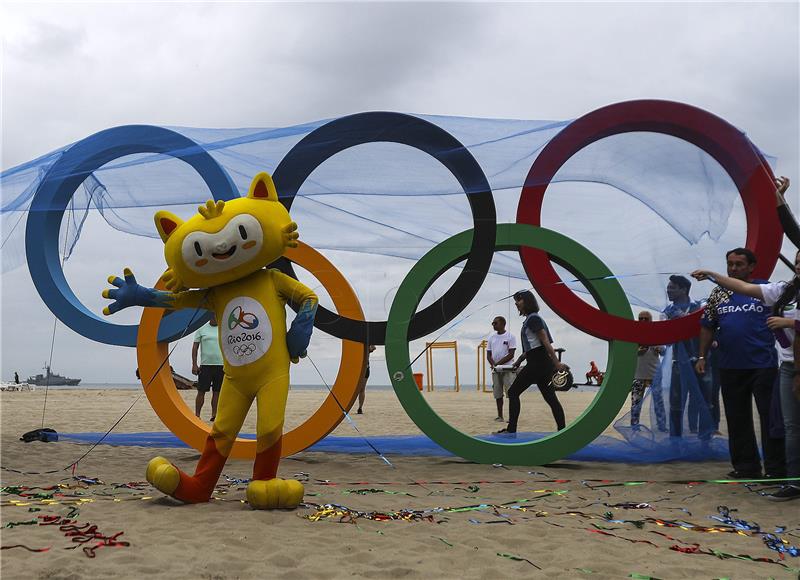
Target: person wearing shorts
210, 371
500, 351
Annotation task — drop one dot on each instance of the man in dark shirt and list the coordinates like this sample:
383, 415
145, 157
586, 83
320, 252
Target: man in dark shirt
748, 364
685, 383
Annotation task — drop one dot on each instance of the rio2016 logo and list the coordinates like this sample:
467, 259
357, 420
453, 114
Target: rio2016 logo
612, 320
243, 340
239, 318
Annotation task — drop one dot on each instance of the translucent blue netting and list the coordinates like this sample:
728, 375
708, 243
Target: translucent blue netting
647, 204
680, 412
389, 199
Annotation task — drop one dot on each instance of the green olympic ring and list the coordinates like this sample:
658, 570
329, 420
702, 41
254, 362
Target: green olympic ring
605, 289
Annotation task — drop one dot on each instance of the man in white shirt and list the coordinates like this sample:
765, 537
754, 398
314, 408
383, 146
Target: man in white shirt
499, 353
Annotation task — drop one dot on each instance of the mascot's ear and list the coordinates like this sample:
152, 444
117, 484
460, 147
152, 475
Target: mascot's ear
166, 224
263, 188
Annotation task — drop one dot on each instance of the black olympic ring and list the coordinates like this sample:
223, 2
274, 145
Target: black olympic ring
340, 134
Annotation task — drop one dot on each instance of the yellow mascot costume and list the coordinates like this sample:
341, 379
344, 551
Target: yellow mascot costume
223, 252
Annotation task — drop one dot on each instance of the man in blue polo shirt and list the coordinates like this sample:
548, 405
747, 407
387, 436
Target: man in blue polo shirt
748, 364
685, 383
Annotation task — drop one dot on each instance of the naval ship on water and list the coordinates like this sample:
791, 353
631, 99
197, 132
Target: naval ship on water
51, 378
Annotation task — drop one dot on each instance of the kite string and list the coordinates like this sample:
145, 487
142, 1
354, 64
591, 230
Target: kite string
487, 305
55, 323
366, 439
149, 382
74, 464
347, 414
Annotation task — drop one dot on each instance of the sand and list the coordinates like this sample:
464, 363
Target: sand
227, 539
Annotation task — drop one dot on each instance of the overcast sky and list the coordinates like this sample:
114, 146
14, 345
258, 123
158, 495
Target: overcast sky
70, 70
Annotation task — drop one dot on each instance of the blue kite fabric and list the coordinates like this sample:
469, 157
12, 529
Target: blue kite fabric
680, 411
394, 200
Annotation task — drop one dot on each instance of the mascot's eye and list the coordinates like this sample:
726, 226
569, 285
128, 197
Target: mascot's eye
198, 249
243, 232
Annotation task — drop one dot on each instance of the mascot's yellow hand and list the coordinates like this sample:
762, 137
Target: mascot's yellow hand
171, 280
290, 235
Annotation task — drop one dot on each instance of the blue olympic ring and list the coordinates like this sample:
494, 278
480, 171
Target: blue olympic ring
50, 202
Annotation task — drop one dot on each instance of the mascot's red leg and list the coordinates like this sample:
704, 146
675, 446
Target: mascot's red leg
197, 488
266, 465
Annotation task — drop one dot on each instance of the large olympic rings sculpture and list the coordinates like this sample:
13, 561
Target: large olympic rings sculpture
538, 247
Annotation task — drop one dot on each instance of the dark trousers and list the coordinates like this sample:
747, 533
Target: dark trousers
739, 388
716, 386
696, 389
539, 370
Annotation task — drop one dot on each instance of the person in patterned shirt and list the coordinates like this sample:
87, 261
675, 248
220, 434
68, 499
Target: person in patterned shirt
748, 364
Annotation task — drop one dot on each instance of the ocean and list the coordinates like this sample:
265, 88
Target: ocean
370, 386
138, 386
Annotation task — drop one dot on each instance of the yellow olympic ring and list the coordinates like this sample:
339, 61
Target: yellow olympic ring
178, 418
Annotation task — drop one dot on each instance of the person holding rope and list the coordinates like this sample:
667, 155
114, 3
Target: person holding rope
788, 223
782, 296
748, 366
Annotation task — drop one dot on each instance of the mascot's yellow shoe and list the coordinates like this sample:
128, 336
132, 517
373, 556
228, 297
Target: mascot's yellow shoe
275, 493
162, 475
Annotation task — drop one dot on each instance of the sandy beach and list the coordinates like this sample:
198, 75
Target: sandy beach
566, 520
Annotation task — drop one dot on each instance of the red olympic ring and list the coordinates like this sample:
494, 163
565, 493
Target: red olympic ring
724, 142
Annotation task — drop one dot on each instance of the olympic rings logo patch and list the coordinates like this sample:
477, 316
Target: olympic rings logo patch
243, 350
613, 321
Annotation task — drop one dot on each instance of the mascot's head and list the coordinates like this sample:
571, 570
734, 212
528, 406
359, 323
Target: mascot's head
227, 240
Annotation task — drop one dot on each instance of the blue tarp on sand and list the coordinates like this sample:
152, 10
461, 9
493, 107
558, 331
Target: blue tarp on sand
641, 449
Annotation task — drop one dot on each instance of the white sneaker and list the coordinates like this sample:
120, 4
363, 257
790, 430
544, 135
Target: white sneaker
499, 420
